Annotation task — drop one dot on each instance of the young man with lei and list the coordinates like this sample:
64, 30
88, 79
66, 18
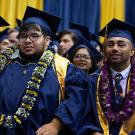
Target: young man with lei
116, 111
32, 78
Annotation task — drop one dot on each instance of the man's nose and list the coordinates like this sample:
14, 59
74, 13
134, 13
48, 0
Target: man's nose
115, 47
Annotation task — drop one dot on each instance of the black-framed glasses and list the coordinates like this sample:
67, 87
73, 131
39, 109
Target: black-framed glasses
82, 56
32, 37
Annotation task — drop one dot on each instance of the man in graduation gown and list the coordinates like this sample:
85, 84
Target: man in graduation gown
32, 78
115, 95
115, 99
112, 90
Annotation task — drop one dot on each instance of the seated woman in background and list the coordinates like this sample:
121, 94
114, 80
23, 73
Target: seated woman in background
84, 56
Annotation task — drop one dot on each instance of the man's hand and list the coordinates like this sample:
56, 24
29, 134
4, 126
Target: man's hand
52, 128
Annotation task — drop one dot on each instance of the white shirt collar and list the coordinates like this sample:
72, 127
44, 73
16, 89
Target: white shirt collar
124, 73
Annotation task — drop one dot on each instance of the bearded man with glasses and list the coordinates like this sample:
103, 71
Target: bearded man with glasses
33, 78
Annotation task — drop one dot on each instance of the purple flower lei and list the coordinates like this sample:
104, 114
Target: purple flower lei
105, 99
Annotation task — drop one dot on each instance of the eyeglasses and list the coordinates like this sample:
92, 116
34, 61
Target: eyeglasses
80, 56
32, 37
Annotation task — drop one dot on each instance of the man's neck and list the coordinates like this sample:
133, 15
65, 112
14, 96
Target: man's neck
118, 67
34, 58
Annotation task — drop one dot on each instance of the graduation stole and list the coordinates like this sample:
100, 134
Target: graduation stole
31, 92
60, 66
104, 99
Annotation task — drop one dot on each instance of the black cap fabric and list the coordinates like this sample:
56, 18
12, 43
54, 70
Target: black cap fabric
95, 53
49, 22
94, 39
3, 22
117, 28
19, 22
85, 31
81, 28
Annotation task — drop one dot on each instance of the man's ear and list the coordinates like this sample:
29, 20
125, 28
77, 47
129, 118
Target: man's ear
132, 51
47, 38
47, 41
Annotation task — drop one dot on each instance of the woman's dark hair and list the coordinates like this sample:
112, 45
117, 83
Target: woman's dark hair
94, 64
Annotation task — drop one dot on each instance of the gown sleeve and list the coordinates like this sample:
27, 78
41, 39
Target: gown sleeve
76, 111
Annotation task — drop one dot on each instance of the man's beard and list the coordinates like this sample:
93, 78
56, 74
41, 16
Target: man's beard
32, 57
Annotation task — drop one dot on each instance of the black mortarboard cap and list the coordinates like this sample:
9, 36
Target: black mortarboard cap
95, 53
49, 22
3, 22
18, 21
83, 29
118, 28
4, 34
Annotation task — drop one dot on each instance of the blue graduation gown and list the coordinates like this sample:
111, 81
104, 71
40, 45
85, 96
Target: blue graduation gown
92, 79
78, 112
13, 81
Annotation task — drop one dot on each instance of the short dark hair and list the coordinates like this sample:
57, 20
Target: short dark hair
29, 26
74, 37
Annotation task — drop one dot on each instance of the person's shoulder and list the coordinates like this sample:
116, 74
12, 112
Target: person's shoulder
61, 59
72, 69
61, 64
94, 76
76, 76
